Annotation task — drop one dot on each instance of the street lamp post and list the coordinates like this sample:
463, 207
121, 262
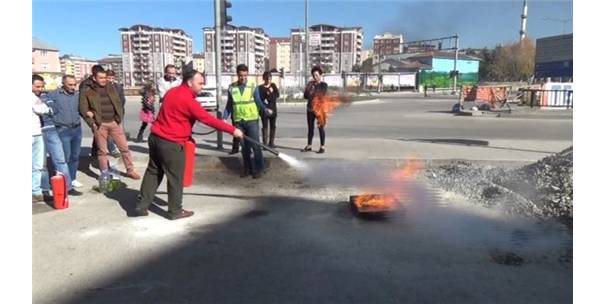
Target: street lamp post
218, 67
306, 44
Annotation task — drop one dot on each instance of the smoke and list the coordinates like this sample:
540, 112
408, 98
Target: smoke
443, 216
427, 20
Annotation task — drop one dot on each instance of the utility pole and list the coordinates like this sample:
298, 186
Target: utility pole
380, 78
218, 67
306, 44
301, 76
456, 72
221, 19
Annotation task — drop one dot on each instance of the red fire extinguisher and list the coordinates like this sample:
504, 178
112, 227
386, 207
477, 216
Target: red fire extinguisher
190, 156
60, 196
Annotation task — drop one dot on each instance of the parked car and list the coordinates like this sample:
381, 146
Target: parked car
207, 99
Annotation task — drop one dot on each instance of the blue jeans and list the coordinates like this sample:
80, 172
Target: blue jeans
71, 139
251, 129
54, 148
37, 163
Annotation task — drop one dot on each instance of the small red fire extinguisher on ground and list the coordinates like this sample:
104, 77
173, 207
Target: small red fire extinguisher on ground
60, 196
190, 156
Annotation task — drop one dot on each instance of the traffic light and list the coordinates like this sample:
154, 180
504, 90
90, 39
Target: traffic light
281, 72
225, 18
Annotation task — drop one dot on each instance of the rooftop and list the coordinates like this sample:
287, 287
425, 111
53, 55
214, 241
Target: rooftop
441, 54
143, 27
38, 44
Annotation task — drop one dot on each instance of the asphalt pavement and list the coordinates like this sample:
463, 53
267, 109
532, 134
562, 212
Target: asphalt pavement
291, 237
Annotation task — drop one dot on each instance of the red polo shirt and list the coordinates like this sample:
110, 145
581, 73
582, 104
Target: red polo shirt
179, 112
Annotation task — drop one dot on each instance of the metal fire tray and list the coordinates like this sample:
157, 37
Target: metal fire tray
368, 209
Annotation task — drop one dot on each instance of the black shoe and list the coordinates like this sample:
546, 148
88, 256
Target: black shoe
233, 152
244, 173
139, 212
74, 192
257, 175
182, 214
306, 149
322, 150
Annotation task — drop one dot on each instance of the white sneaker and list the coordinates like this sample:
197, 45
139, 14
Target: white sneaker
76, 184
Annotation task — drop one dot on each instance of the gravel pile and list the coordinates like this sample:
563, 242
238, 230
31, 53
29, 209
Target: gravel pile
542, 189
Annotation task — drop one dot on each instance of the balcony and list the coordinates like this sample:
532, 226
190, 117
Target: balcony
141, 38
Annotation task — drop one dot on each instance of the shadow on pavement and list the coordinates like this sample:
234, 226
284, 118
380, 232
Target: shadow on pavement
127, 199
85, 163
474, 143
282, 249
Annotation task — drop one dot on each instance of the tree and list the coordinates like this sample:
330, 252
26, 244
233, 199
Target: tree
510, 62
367, 66
356, 68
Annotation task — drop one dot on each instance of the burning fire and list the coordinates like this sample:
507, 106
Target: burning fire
382, 202
324, 105
374, 202
412, 166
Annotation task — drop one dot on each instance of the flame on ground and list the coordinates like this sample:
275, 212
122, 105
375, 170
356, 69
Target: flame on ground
374, 202
323, 105
381, 202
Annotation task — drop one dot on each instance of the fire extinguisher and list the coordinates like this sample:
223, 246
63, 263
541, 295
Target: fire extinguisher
190, 156
60, 196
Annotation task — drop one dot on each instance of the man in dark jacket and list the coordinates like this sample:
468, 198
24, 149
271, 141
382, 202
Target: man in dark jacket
84, 85
100, 106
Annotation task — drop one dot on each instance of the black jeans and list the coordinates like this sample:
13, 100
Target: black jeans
311, 117
168, 158
271, 120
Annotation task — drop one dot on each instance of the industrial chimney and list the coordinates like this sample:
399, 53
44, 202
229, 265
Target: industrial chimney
524, 17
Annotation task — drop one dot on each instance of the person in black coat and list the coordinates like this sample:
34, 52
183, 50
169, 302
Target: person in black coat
314, 88
269, 95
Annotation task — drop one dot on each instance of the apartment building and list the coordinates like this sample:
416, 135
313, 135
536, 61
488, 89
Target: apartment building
239, 45
113, 62
335, 49
387, 44
279, 53
146, 50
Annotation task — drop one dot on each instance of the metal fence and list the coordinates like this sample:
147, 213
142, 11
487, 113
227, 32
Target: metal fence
547, 98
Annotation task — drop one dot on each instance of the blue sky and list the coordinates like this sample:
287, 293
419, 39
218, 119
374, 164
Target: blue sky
90, 28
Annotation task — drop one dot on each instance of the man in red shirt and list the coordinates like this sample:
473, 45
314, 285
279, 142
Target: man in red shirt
169, 133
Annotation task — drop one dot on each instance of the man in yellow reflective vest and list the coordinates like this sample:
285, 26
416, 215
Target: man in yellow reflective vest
244, 103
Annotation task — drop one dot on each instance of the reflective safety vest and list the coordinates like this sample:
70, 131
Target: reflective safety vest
245, 107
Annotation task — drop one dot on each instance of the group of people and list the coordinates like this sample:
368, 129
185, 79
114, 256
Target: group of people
100, 103
56, 128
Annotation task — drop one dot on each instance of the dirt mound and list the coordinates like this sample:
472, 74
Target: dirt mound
543, 189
